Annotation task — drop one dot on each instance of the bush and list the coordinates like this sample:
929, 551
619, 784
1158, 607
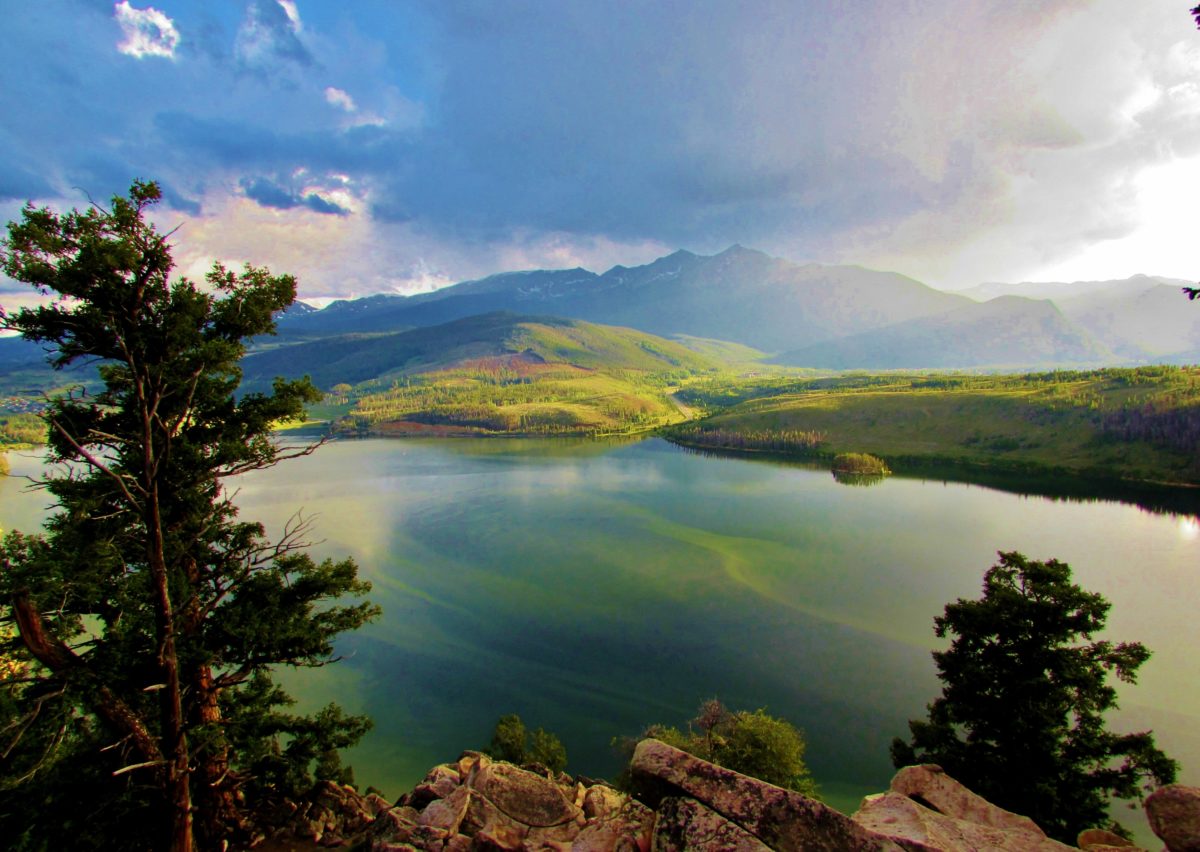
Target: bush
861, 464
511, 742
754, 744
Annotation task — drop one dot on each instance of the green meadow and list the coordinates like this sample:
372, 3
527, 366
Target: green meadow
1137, 424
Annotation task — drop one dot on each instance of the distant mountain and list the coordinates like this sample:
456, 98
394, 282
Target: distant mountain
1153, 323
739, 295
1007, 332
351, 359
1062, 290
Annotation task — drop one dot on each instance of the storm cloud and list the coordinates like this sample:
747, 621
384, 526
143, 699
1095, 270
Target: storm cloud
954, 141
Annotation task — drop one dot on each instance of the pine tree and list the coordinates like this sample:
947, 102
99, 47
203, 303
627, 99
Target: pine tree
148, 616
1020, 719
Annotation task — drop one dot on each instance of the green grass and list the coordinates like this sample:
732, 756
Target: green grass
503, 374
1141, 424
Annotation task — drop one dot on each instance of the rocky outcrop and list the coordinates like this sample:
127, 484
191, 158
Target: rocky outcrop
481, 804
927, 809
685, 803
781, 819
1174, 813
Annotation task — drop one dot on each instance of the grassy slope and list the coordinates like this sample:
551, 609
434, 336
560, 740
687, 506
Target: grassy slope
1073, 422
508, 374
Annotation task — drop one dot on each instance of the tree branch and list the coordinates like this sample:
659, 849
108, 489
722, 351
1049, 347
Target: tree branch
56, 656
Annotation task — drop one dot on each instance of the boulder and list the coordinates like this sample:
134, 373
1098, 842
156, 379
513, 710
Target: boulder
601, 801
438, 783
524, 796
685, 824
929, 785
612, 837
615, 823
1174, 813
781, 819
1100, 839
393, 830
911, 825
447, 814
470, 761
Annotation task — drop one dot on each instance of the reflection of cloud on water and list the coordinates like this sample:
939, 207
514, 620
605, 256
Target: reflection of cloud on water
539, 481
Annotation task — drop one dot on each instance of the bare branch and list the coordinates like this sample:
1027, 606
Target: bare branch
97, 464
136, 766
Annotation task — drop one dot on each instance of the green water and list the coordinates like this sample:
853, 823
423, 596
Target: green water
595, 588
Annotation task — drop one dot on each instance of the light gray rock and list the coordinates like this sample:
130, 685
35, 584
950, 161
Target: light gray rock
912, 826
931, 784
782, 819
1174, 812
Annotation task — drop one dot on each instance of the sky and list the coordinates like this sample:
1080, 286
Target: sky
401, 145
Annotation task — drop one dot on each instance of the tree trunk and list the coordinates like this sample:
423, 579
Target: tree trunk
175, 745
217, 812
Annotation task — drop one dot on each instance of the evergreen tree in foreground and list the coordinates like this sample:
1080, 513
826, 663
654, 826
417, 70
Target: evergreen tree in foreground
1020, 719
136, 703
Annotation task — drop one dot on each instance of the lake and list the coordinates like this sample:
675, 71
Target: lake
595, 588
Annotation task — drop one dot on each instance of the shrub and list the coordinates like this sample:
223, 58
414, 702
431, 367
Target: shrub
512, 742
754, 744
861, 464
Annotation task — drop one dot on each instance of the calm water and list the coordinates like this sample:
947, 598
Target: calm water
596, 588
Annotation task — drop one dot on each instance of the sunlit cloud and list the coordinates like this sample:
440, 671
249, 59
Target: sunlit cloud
340, 99
351, 255
148, 32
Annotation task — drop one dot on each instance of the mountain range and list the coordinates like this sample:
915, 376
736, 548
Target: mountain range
832, 317
815, 315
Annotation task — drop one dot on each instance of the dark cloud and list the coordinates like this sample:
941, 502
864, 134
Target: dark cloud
805, 128
18, 184
318, 204
269, 193
267, 37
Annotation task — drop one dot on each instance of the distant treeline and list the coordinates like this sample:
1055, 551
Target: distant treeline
791, 441
21, 429
1161, 422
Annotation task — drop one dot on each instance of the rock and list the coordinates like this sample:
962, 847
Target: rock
470, 761
611, 837
685, 824
499, 838
458, 843
438, 783
447, 813
1174, 813
393, 830
911, 825
782, 819
601, 801
1100, 839
614, 822
377, 804
484, 818
524, 796
929, 785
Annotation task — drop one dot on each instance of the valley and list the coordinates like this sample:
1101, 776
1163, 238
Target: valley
744, 352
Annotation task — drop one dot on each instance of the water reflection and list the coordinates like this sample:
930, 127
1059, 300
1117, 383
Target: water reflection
1182, 500
863, 480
